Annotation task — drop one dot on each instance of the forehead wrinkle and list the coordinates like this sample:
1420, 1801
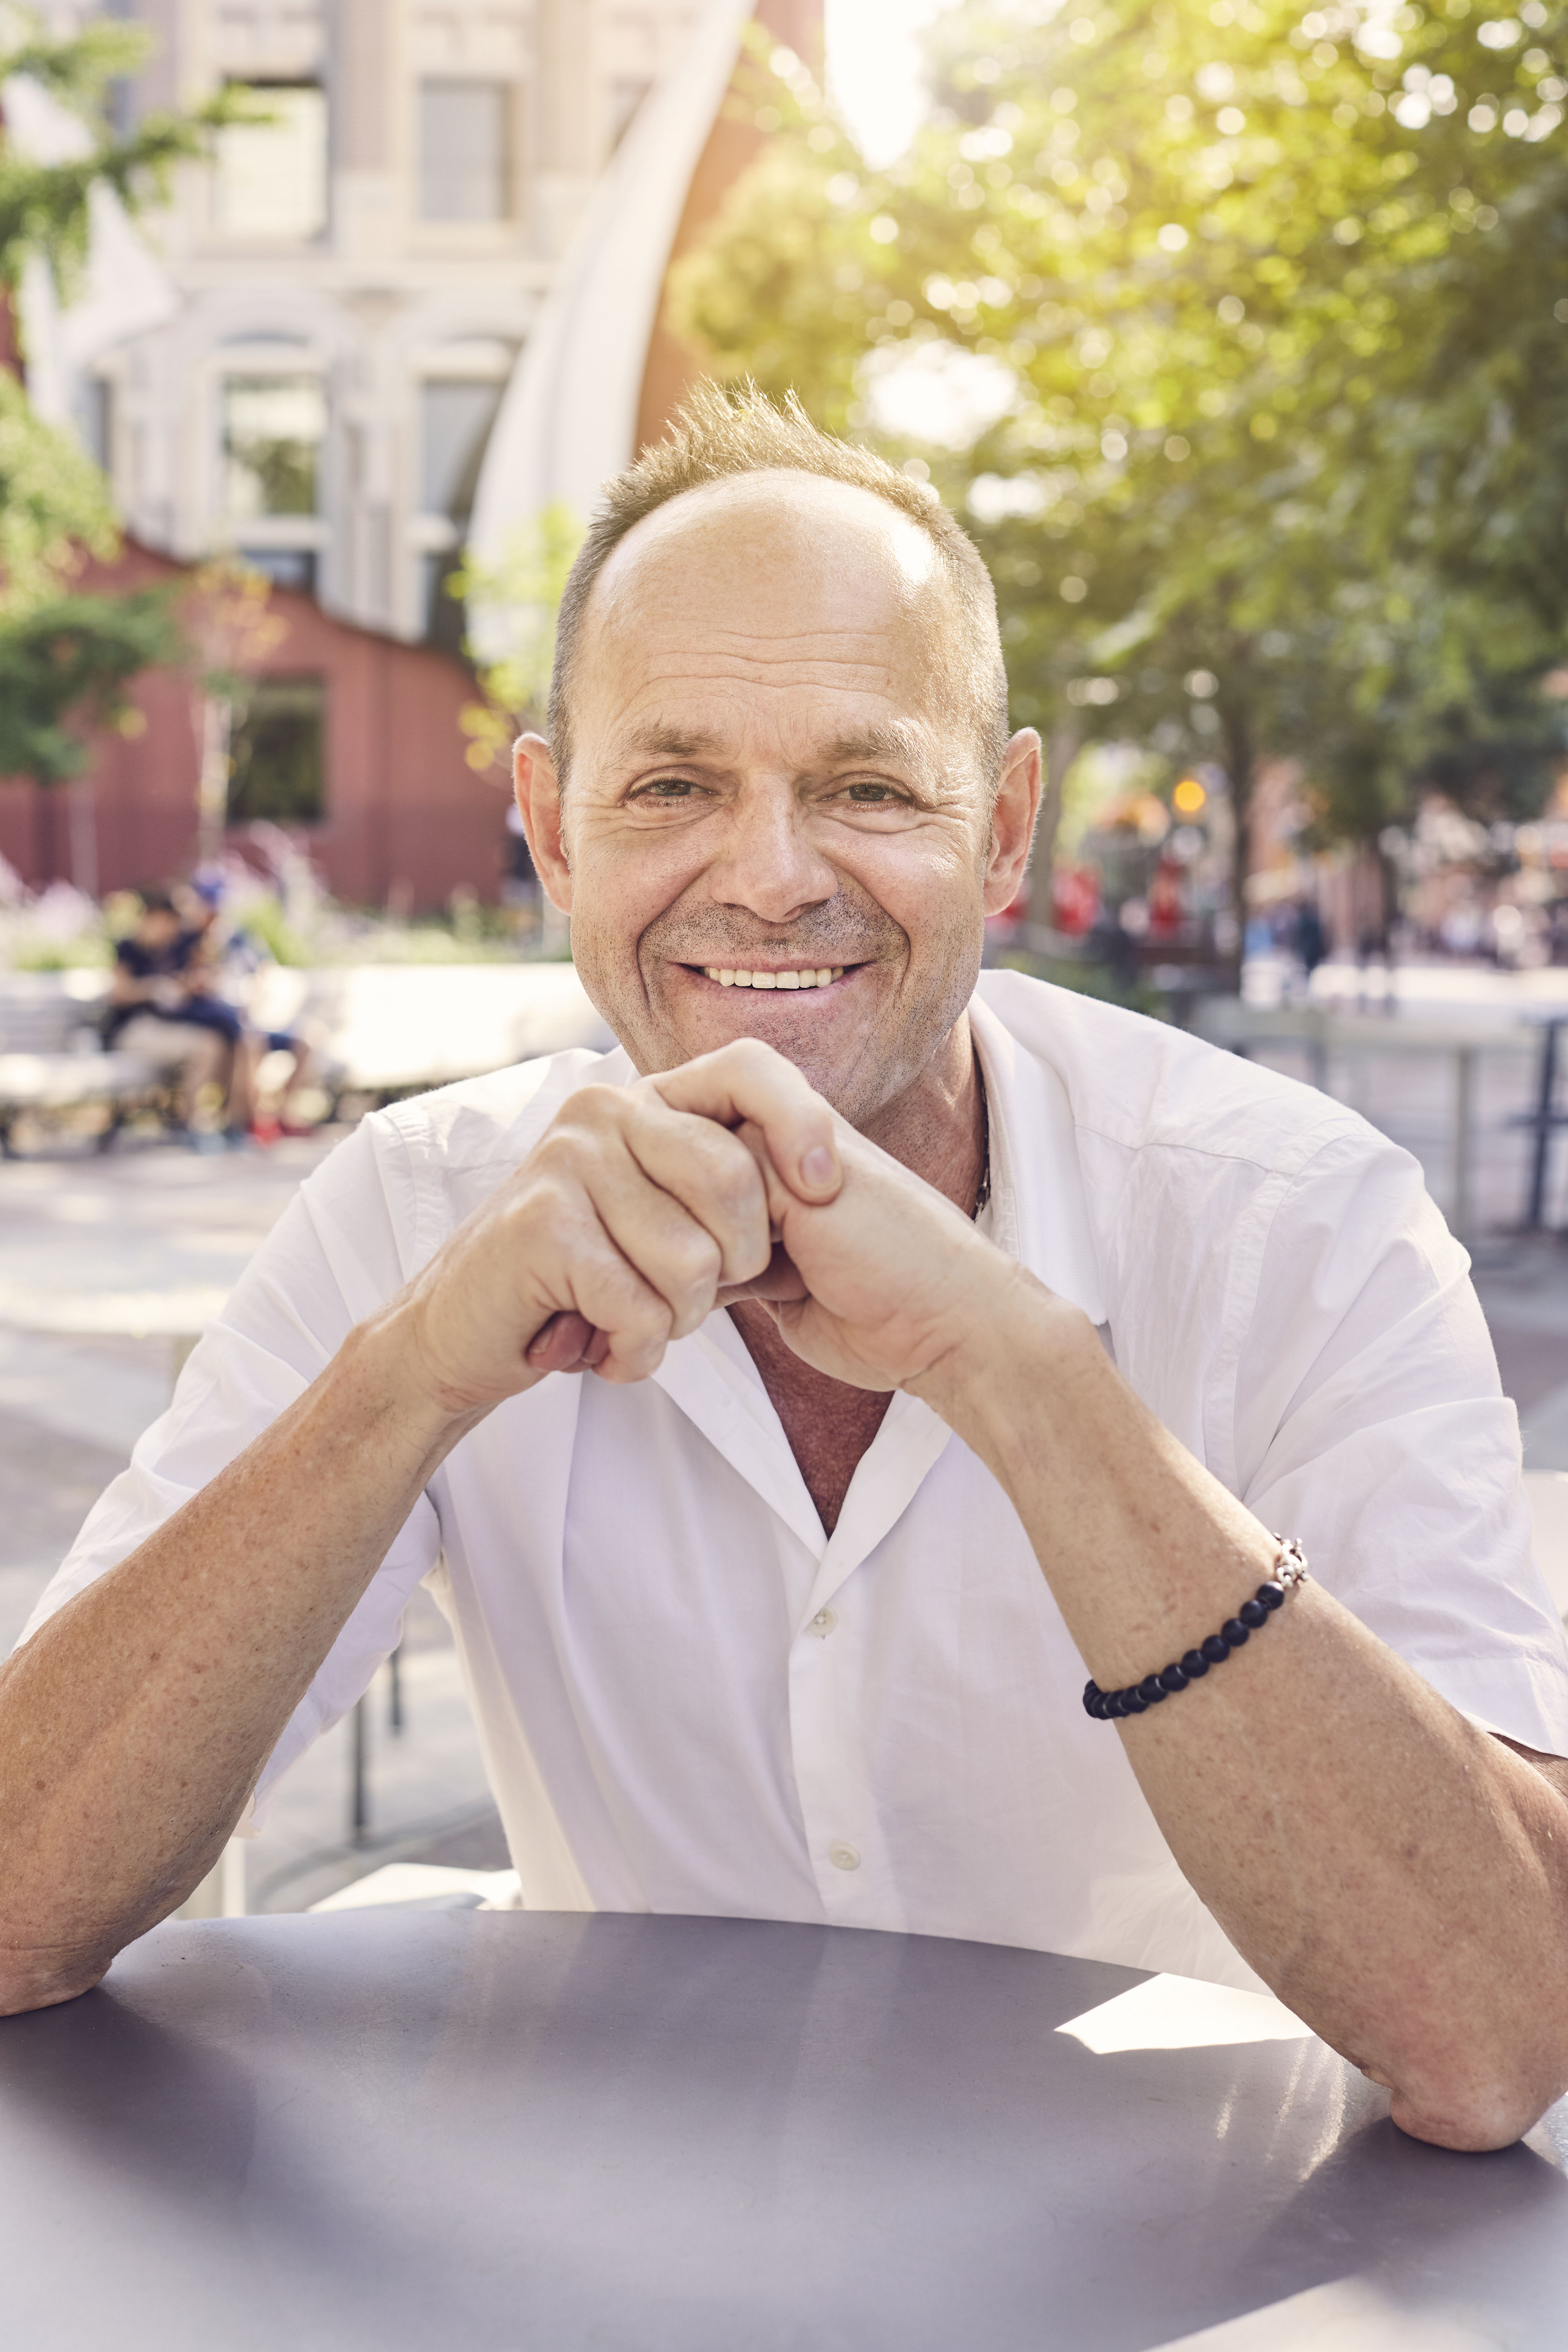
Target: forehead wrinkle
778, 643
840, 677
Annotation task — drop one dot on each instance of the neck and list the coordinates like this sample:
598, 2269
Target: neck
937, 1126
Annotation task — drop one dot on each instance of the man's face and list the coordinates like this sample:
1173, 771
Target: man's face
776, 776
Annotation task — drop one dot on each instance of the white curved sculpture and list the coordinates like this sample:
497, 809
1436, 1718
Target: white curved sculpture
568, 419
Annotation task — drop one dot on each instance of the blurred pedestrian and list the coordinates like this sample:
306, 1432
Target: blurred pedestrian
234, 958
1311, 939
162, 1005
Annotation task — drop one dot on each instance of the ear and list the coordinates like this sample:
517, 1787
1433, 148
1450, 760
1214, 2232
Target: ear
538, 793
1013, 821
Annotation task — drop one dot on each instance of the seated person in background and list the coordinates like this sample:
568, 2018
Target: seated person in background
161, 1004
791, 1408
233, 956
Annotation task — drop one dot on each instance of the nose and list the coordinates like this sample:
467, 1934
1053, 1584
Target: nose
767, 864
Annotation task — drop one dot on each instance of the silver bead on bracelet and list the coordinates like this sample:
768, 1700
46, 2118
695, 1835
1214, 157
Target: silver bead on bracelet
1289, 1569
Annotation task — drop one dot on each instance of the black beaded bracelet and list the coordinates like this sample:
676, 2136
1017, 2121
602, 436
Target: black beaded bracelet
1289, 1569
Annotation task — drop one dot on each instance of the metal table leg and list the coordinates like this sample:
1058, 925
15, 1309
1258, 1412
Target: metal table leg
1546, 1089
1464, 1140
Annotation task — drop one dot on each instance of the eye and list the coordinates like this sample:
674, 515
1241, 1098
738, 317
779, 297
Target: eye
666, 789
873, 796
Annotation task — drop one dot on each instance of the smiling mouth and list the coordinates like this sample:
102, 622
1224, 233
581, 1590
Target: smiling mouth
812, 976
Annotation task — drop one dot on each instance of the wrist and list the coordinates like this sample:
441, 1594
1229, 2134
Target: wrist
387, 1362
1005, 1377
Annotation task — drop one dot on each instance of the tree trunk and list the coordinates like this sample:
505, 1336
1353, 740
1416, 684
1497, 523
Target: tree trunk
216, 730
1241, 761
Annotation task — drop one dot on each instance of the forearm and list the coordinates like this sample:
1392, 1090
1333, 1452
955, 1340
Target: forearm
134, 1724
1399, 1877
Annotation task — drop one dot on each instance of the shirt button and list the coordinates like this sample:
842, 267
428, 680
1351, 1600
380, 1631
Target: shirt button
824, 1622
842, 1856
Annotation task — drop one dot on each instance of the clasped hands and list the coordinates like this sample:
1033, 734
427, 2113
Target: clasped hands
643, 1208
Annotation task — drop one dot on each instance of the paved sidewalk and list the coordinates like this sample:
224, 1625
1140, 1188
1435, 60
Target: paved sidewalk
1524, 1288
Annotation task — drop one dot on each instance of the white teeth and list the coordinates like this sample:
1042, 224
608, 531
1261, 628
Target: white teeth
821, 978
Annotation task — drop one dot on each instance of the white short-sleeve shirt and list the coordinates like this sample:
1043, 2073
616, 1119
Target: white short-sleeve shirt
693, 1699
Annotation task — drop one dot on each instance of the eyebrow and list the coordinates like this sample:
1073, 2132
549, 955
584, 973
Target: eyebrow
895, 744
899, 745
670, 743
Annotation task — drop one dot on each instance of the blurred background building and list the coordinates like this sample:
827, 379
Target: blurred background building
356, 277
346, 292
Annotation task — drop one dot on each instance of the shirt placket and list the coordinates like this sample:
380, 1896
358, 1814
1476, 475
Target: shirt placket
834, 1776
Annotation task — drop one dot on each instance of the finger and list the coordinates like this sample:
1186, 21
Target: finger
747, 1080
606, 1314
781, 1279
778, 1198
647, 1229
671, 1251
567, 1343
709, 1171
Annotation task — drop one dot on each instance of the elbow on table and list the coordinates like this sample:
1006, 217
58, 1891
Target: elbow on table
33, 1979
1480, 2106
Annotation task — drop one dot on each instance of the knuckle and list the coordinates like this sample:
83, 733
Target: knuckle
593, 1104
729, 1169
752, 1053
553, 1155
703, 1261
738, 1186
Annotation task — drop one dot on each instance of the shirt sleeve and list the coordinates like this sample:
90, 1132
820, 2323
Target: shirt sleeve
1371, 1423
334, 1255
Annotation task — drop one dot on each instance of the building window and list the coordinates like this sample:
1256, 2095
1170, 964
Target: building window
445, 614
467, 168
286, 567
273, 428
455, 420
95, 420
270, 178
456, 415
278, 753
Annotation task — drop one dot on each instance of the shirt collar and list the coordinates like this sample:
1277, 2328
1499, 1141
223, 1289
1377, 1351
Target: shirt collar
1039, 1213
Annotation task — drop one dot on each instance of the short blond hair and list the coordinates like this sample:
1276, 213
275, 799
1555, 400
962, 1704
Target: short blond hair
721, 433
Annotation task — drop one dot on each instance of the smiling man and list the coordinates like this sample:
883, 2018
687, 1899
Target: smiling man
790, 1408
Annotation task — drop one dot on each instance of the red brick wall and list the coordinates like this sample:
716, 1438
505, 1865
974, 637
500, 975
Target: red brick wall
406, 817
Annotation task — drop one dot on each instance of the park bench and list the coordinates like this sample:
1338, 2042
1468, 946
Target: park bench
377, 1031
382, 1031
52, 1058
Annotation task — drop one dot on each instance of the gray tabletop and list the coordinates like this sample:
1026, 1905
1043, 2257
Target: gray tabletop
503, 2130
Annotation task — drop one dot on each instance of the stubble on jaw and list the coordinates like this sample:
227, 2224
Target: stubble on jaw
898, 1043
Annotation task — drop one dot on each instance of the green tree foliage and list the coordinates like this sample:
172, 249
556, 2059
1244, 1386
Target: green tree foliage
45, 207
67, 662
514, 604
1276, 311
54, 505
66, 658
